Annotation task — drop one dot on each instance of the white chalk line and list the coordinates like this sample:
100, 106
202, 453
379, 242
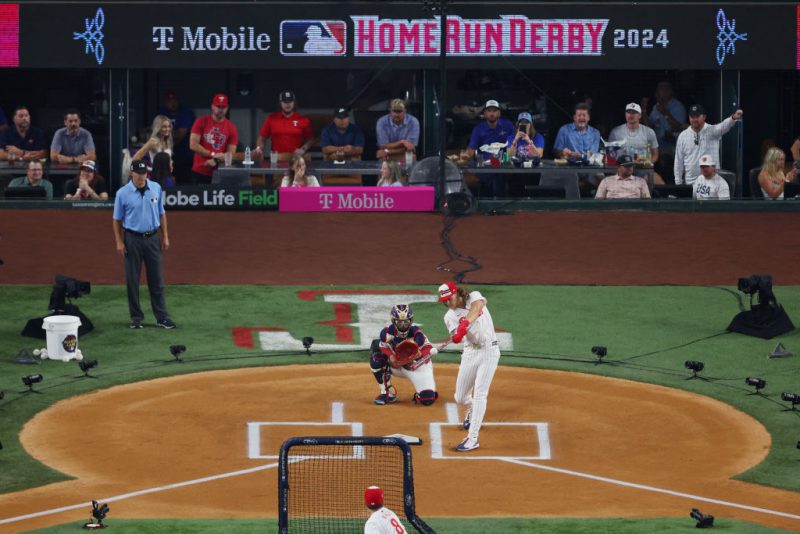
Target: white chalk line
140, 492
650, 488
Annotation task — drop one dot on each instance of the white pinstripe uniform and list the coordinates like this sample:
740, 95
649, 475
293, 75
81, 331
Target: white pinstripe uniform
478, 360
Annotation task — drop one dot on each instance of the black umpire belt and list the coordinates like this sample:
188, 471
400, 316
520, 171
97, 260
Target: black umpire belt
142, 234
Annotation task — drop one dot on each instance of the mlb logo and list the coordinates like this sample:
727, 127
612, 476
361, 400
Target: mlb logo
313, 38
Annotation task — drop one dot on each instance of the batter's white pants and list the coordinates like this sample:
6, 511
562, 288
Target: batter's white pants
475, 376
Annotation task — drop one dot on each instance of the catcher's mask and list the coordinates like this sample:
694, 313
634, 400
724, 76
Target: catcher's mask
402, 315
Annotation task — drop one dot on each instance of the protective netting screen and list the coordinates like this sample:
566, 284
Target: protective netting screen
325, 486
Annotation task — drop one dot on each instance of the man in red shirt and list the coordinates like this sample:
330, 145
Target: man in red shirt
290, 132
212, 136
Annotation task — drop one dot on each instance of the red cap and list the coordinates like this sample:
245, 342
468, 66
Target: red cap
446, 291
220, 100
373, 496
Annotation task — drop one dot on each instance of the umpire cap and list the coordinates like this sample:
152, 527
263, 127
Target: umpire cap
373, 496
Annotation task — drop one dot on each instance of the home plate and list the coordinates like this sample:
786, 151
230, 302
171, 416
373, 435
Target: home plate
411, 440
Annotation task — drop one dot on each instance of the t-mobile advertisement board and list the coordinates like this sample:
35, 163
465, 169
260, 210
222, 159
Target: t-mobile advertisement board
367, 35
356, 199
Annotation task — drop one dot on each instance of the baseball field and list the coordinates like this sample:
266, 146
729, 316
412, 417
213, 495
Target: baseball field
629, 442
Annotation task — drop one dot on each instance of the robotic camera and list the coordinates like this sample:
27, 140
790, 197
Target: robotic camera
600, 352
760, 284
307, 342
86, 365
176, 351
99, 512
794, 398
67, 288
695, 367
30, 380
703, 520
758, 383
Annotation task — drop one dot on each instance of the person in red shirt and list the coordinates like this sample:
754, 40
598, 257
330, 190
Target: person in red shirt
291, 133
212, 136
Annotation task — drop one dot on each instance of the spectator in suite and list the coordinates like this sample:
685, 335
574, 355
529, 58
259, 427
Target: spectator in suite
160, 139
641, 142
397, 132
87, 185
699, 139
72, 144
710, 185
342, 140
162, 170
22, 141
668, 120
390, 175
577, 139
493, 129
291, 133
182, 119
212, 136
772, 178
526, 142
624, 184
34, 178
297, 177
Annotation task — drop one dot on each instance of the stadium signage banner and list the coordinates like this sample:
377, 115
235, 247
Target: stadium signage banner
330, 199
221, 198
361, 35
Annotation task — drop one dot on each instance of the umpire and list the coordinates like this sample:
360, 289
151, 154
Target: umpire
138, 217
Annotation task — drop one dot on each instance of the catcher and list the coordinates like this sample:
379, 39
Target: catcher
403, 350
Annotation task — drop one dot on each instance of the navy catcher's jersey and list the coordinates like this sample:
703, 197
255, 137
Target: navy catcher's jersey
390, 338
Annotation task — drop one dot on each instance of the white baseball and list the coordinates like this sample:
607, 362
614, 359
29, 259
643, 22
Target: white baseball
434, 351
78, 355
37, 352
43, 354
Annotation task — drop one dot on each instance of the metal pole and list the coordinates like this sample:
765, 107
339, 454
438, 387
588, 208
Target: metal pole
442, 93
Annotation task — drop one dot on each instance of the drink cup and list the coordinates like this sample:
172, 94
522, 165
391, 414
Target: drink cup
273, 158
228, 159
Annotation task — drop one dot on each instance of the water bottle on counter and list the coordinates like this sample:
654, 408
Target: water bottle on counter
409, 159
247, 159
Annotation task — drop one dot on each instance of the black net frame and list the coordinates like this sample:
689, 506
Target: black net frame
321, 483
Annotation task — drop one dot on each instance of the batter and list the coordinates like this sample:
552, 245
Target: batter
468, 317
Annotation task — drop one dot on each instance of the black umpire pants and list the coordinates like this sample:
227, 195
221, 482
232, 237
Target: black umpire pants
147, 250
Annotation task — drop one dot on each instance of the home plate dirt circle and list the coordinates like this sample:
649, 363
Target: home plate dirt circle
616, 448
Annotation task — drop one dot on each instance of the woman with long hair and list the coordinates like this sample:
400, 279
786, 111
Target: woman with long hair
772, 179
162, 170
525, 142
297, 177
160, 139
391, 176
87, 184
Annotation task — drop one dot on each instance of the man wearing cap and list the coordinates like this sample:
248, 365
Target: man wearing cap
382, 520
493, 129
138, 219
182, 119
212, 136
710, 185
34, 178
624, 184
577, 139
396, 132
640, 141
291, 133
22, 141
72, 144
342, 140
699, 139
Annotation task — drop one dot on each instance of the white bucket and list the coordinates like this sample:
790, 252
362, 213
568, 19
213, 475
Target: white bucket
62, 336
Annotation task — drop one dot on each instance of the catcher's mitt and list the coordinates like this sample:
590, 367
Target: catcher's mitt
406, 352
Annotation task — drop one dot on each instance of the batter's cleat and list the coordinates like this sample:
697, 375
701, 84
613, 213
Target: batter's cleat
466, 419
469, 444
385, 398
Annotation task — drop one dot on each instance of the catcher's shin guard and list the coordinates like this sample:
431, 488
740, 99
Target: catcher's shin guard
426, 397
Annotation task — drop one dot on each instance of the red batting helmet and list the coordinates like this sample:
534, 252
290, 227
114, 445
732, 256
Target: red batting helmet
373, 496
446, 291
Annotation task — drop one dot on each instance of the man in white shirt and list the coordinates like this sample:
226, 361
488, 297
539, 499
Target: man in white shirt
382, 520
710, 185
700, 138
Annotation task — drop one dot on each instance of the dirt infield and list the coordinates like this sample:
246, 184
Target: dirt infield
178, 429
613, 248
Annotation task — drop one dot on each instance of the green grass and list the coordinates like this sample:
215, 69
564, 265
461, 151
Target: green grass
649, 332
441, 526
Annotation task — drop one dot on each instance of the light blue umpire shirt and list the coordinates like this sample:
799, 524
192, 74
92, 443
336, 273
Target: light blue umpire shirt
139, 210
